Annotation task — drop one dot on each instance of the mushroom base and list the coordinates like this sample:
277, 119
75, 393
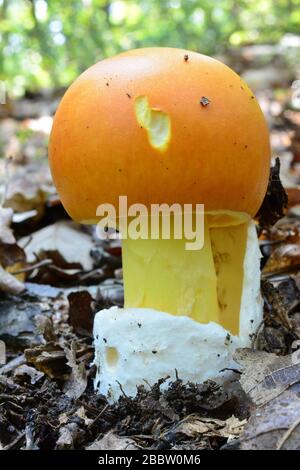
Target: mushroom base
138, 346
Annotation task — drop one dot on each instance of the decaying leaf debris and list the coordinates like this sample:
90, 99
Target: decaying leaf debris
275, 201
273, 384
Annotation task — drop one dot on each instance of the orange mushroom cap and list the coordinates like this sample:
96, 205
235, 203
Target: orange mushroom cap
214, 149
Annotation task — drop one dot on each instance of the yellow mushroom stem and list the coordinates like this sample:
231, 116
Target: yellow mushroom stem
204, 284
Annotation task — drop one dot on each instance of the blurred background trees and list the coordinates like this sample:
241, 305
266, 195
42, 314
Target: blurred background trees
48, 43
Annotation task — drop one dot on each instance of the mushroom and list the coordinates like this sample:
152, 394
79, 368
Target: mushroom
168, 130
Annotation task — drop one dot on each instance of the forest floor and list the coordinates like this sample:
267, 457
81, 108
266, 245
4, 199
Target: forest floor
50, 291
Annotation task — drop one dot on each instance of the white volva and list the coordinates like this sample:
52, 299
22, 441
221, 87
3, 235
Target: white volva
139, 346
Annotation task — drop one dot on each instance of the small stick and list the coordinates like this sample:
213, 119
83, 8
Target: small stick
287, 434
13, 364
28, 269
15, 442
121, 388
97, 417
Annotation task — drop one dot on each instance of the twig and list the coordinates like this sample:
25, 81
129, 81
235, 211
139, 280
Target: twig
143, 436
13, 364
28, 241
288, 271
99, 416
236, 371
287, 434
147, 383
14, 442
40, 264
121, 388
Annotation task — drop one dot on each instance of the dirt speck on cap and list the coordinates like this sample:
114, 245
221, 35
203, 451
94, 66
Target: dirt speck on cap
204, 101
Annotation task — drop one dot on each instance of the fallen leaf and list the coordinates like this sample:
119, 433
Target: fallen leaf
12, 257
295, 144
24, 371
192, 426
9, 283
64, 238
81, 413
69, 436
44, 326
81, 314
273, 384
77, 382
276, 425
275, 201
113, 442
29, 187
293, 197
266, 375
49, 359
18, 320
284, 257
111, 292
281, 311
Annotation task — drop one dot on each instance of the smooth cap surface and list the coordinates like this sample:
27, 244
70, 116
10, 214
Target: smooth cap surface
159, 125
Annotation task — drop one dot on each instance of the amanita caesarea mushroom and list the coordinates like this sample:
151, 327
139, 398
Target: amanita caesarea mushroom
163, 125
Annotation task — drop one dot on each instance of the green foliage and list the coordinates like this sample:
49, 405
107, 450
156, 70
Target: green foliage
48, 43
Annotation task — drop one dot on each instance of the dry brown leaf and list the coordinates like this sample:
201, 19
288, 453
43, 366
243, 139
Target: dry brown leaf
294, 198
50, 359
234, 427
275, 200
77, 382
12, 257
81, 413
266, 375
29, 187
276, 425
273, 384
281, 316
192, 426
22, 371
65, 237
9, 283
283, 257
81, 314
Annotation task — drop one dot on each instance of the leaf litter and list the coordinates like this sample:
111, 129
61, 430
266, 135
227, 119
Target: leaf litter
50, 290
